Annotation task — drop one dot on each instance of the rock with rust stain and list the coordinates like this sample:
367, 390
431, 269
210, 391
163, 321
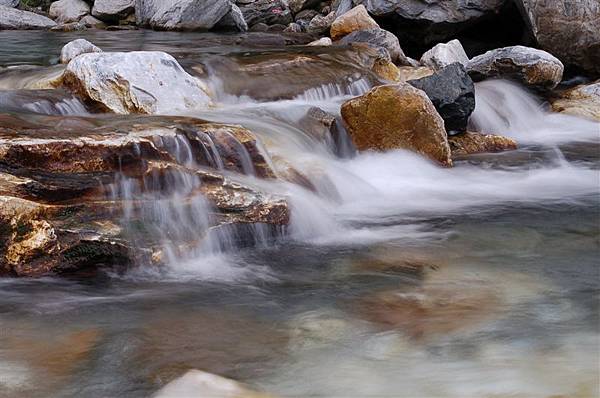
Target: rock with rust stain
582, 101
469, 143
397, 116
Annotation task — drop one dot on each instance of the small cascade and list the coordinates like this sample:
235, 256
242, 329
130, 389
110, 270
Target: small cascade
332, 90
43, 102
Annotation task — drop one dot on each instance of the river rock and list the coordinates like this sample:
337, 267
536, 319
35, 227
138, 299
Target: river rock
77, 47
469, 143
65, 11
356, 19
535, 68
379, 38
204, 384
569, 30
323, 41
320, 24
92, 22
135, 82
583, 101
444, 54
113, 10
11, 18
59, 187
270, 12
234, 19
397, 116
453, 94
180, 14
9, 3
298, 5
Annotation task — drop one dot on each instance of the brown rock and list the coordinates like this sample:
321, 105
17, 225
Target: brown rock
470, 143
583, 101
397, 116
356, 19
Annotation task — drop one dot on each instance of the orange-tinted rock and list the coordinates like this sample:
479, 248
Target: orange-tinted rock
470, 143
582, 101
356, 19
397, 116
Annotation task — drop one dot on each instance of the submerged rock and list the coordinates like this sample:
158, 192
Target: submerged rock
453, 94
180, 14
529, 66
62, 192
397, 116
444, 54
77, 47
113, 10
65, 11
583, 101
356, 19
202, 384
135, 82
568, 29
11, 18
470, 143
378, 38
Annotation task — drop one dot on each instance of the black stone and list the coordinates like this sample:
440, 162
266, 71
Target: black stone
453, 94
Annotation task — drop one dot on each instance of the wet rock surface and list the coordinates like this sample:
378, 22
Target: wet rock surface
60, 213
532, 67
378, 38
453, 94
470, 143
582, 101
356, 19
75, 48
397, 117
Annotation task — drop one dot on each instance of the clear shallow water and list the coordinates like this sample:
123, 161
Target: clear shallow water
398, 278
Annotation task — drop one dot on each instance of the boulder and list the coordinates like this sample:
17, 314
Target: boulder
583, 101
320, 24
11, 18
379, 38
293, 28
65, 11
469, 143
204, 384
532, 67
113, 10
444, 54
9, 3
92, 22
356, 19
397, 116
233, 20
453, 94
77, 47
320, 125
298, 5
135, 82
432, 12
180, 14
570, 30
66, 201
270, 12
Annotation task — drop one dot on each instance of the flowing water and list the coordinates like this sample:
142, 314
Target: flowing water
395, 277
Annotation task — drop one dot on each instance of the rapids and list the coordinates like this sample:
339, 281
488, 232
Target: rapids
499, 254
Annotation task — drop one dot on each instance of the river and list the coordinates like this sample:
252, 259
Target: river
396, 277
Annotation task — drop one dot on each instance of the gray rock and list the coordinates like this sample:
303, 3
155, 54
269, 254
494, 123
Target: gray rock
323, 41
233, 20
11, 18
445, 54
113, 10
535, 68
452, 92
181, 14
270, 12
92, 22
306, 14
136, 82
293, 28
379, 38
320, 24
77, 47
9, 3
341, 7
432, 11
569, 29
65, 11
